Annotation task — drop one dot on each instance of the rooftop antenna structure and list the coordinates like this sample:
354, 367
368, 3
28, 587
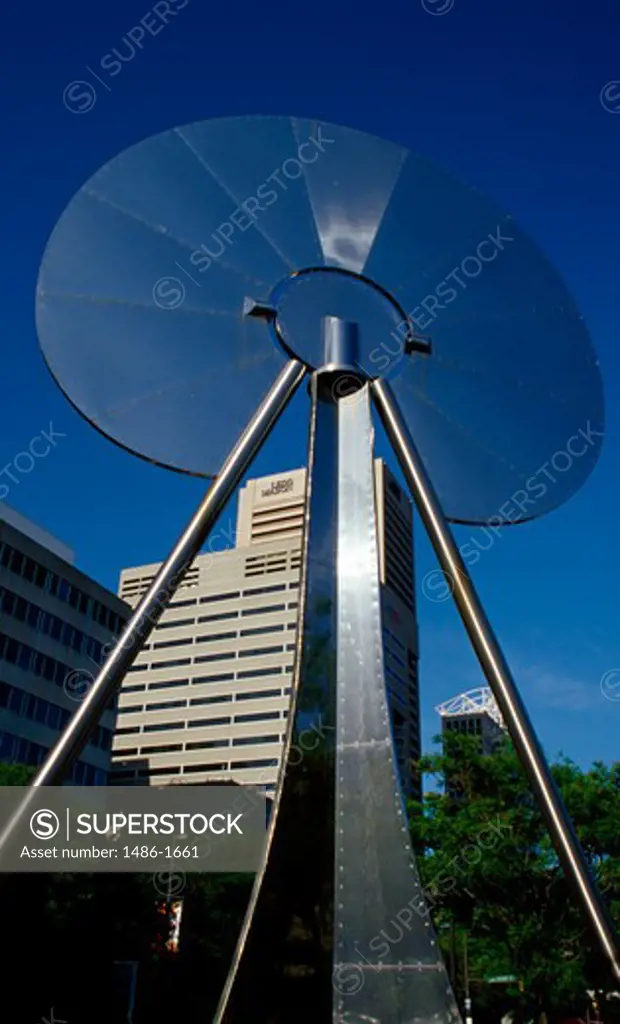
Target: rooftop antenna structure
186, 292
478, 701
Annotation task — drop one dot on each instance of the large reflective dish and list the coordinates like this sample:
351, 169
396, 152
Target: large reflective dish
186, 270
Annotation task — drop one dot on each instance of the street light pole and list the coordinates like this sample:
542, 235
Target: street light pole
468, 1016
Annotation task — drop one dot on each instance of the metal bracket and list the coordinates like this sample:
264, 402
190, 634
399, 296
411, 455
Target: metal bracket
259, 310
418, 343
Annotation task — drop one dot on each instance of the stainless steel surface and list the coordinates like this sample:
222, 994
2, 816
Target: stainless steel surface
282, 968
143, 317
137, 630
387, 958
497, 673
341, 344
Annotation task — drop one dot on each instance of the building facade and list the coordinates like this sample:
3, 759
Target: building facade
474, 713
210, 694
54, 624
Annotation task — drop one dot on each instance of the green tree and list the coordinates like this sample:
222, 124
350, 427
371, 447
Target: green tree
490, 871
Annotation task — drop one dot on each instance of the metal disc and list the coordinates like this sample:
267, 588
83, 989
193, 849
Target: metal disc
186, 270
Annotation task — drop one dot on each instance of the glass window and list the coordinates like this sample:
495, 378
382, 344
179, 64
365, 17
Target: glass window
50, 669
11, 650
160, 705
7, 745
169, 664
67, 635
230, 596
262, 717
207, 744
28, 569
23, 658
254, 652
215, 618
173, 643
222, 699
247, 741
32, 616
53, 716
161, 686
197, 723
211, 638
40, 711
158, 748
163, 726
265, 609
257, 694
254, 673
17, 562
264, 590
263, 763
15, 701
222, 678
225, 656
178, 622
77, 640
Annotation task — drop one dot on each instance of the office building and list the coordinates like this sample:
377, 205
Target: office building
474, 713
55, 623
209, 695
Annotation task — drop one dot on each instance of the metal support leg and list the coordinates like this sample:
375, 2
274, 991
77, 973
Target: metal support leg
498, 674
137, 630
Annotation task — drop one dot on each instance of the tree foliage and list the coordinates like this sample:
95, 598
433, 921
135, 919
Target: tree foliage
490, 871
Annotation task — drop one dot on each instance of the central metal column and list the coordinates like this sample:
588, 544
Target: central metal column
282, 968
388, 965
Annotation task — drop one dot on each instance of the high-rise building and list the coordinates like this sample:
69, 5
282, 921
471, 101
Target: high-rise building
474, 713
55, 623
209, 695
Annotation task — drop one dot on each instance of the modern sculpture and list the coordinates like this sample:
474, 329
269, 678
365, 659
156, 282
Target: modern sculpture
319, 252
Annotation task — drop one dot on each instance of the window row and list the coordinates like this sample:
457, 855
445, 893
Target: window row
123, 774
171, 748
29, 660
26, 705
18, 750
217, 699
233, 595
24, 566
235, 614
471, 726
50, 625
199, 723
171, 684
251, 652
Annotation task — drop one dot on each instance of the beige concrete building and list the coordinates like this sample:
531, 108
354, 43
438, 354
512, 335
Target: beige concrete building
55, 622
209, 696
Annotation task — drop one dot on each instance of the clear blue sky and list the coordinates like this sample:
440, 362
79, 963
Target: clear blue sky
505, 95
